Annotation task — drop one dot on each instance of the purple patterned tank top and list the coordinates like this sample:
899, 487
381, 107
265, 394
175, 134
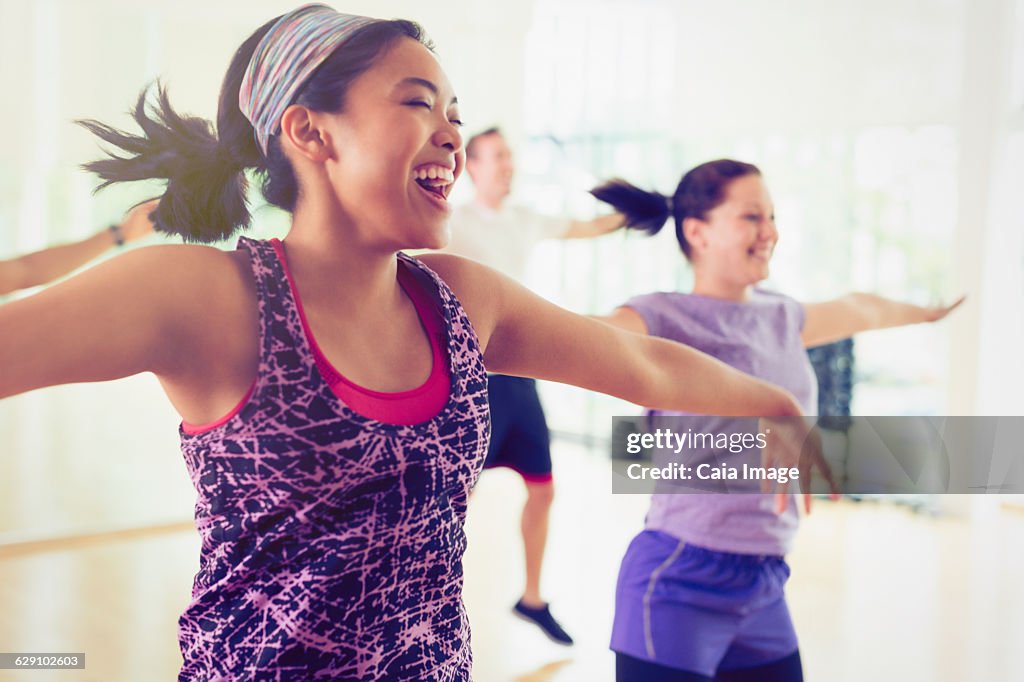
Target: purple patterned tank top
332, 543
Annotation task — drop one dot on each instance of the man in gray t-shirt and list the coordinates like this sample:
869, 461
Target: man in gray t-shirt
501, 236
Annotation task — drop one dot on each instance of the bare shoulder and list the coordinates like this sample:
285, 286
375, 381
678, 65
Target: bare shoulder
183, 260
200, 295
209, 315
471, 281
481, 290
188, 272
453, 269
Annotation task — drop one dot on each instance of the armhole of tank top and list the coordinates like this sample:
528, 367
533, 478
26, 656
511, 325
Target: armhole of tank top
430, 291
200, 429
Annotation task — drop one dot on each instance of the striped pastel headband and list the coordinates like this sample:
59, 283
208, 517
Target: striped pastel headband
284, 60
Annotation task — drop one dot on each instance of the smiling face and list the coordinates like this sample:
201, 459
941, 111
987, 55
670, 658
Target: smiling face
491, 167
395, 150
735, 242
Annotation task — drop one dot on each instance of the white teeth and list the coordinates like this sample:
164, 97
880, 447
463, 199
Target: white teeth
433, 172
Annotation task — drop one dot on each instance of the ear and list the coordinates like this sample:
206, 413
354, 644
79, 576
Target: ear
695, 231
301, 132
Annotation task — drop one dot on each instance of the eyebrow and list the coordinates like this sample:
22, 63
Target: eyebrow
424, 83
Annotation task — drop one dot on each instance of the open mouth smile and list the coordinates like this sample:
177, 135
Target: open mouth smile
436, 180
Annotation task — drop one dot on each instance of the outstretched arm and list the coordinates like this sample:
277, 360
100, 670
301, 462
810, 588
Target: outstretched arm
853, 313
176, 311
44, 266
584, 229
105, 323
522, 334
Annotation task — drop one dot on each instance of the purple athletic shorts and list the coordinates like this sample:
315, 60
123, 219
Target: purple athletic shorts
695, 609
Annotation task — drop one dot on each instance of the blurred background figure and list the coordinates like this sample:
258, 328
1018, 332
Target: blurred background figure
41, 267
492, 230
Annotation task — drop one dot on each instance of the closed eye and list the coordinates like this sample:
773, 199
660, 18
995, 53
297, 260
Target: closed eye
430, 107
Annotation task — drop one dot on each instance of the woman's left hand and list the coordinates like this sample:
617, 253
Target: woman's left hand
794, 443
936, 313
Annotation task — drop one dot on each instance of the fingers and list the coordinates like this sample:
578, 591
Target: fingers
807, 463
955, 305
810, 454
138, 221
768, 461
937, 313
826, 472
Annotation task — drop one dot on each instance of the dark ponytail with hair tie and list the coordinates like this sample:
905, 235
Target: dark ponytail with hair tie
205, 196
646, 211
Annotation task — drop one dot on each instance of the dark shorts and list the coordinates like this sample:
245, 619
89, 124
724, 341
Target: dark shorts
519, 432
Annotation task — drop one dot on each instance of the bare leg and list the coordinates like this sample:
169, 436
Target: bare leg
535, 536
534, 527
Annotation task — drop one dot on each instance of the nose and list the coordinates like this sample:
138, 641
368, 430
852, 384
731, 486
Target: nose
769, 232
448, 136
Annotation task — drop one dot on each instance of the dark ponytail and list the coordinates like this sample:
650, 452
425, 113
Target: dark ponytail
699, 191
206, 185
205, 196
644, 210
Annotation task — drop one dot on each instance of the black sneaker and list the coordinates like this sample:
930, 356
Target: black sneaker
544, 620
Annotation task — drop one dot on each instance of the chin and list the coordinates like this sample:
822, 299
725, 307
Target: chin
757, 279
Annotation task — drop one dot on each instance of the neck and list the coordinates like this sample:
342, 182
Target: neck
720, 287
328, 253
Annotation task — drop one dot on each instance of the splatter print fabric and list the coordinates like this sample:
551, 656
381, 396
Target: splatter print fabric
332, 544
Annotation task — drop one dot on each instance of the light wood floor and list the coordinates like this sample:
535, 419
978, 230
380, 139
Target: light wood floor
878, 592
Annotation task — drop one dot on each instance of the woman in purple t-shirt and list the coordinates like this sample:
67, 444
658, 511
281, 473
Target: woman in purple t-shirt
700, 592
